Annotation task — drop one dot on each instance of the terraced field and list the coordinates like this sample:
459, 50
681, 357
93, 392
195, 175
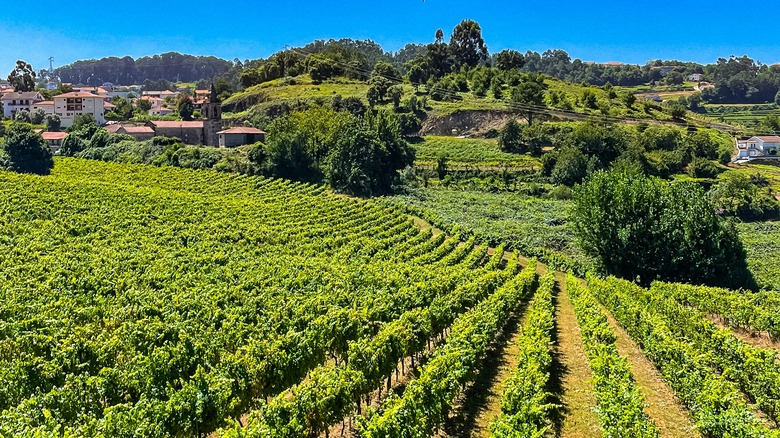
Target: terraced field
155, 302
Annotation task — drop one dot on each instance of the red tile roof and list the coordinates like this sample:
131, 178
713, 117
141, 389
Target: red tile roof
138, 130
78, 94
21, 95
54, 135
241, 130
769, 138
177, 124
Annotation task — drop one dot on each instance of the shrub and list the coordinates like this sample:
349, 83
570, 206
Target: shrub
702, 168
25, 151
642, 228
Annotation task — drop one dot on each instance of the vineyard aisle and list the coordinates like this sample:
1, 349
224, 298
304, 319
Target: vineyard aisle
572, 372
571, 379
663, 407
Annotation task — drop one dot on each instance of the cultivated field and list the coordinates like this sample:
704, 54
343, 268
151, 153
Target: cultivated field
145, 301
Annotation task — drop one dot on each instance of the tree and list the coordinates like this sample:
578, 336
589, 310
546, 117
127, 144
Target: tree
23, 116
395, 93
439, 35
510, 138
571, 167
509, 60
22, 78
26, 151
529, 93
37, 116
185, 107
629, 99
466, 44
645, 229
143, 105
777, 98
385, 70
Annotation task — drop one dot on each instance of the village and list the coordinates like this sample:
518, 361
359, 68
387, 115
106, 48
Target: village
209, 130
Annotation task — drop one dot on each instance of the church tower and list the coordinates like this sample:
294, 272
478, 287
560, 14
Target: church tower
212, 112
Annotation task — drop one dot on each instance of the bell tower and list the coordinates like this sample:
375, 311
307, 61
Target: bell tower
212, 112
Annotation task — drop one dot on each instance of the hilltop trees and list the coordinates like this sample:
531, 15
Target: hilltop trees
22, 78
466, 44
648, 229
356, 155
23, 150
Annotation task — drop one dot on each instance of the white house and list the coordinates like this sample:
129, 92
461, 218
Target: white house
71, 105
46, 105
13, 102
762, 146
695, 77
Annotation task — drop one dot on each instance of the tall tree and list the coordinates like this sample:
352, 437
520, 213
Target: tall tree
25, 151
528, 95
509, 59
185, 107
22, 78
466, 44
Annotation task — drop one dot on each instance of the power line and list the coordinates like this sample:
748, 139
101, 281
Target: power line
519, 106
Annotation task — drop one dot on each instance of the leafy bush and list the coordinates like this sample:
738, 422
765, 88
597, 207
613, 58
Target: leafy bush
646, 229
702, 168
25, 151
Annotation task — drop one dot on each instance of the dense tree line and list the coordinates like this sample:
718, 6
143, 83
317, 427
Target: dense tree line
171, 66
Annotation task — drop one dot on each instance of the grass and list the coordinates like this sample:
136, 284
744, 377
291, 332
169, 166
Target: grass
534, 226
302, 88
469, 151
742, 114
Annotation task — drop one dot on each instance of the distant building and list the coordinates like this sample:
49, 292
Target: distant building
664, 69
139, 133
46, 105
190, 132
13, 102
762, 146
54, 140
239, 136
695, 77
68, 106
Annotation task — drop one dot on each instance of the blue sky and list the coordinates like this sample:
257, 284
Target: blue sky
602, 31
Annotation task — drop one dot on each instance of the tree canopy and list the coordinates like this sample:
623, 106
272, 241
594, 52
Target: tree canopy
23, 150
643, 228
22, 77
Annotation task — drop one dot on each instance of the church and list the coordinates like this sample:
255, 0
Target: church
203, 132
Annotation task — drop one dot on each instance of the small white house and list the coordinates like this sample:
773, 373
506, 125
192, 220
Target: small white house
13, 102
762, 146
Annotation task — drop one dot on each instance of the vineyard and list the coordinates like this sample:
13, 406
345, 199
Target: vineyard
155, 302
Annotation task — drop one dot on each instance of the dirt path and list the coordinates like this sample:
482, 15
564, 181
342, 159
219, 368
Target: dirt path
477, 406
759, 339
663, 407
571, 375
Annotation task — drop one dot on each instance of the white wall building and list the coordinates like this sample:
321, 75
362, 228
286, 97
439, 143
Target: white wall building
762, 146
13, 102
71, 105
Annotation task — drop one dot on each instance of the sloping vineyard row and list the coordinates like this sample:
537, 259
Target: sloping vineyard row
158, 302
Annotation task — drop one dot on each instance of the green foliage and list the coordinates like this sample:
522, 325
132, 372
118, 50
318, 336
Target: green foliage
700, 167
22, 77
82, 120
528, 94
524, 404
25, 151
510, 137
643, 228
571, 166
508, 59
23, 116
185, 107
736, 195
620, 404
466, 44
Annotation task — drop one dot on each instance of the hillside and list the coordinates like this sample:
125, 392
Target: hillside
562, 101
250, 306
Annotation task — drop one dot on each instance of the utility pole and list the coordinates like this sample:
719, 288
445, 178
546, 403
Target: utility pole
51, 64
